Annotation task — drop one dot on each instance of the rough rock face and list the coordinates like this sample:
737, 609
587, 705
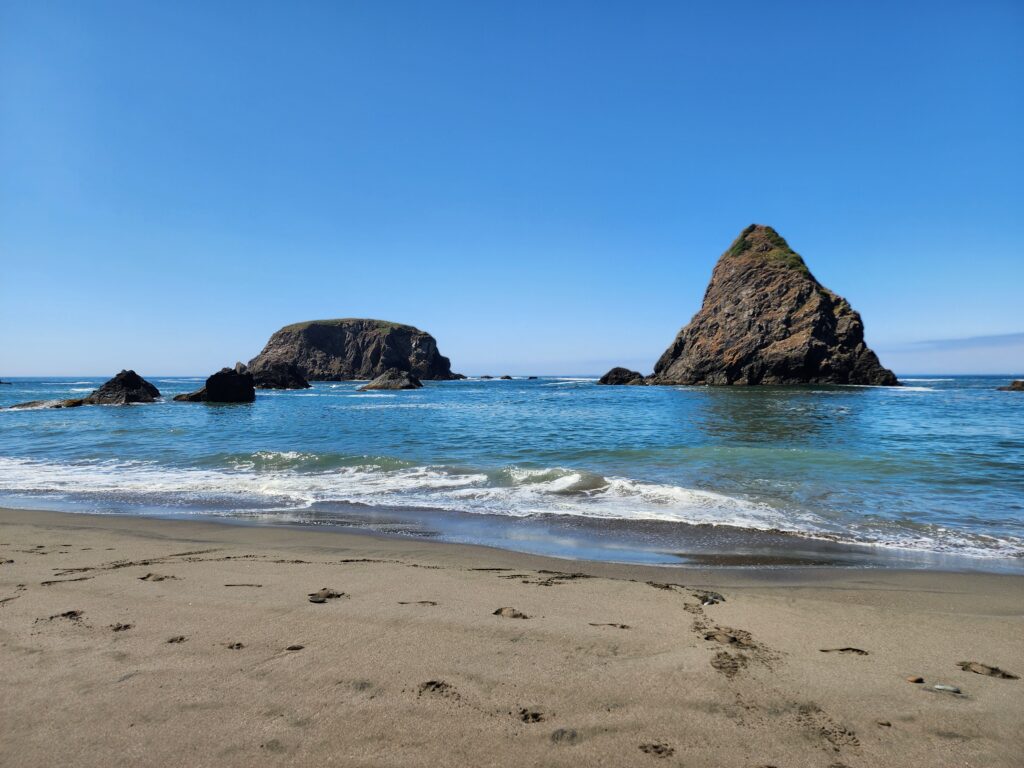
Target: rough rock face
279, 376
332, 350
126, 387
394, 379
1015, 386
226, 386
622, 376
767, 320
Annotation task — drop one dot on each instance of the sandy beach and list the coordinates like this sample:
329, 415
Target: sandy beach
145, 642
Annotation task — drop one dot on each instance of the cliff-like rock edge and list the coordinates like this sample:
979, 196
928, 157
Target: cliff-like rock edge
352, 348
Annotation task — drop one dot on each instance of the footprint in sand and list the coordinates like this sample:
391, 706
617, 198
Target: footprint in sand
984, 669
437, 688
177, 639
325, 594
614, 626
725, 636
156, 577
566, 736
729, 664
236, 646
119, 627
510, 613
416, 602
657, 749
530, 715
847, 649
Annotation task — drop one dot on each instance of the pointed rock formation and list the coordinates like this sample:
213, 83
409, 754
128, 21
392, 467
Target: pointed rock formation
352, 348
767, 320
126, 387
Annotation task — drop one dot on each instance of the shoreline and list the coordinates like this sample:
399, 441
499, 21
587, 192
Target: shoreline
578, 538
150, 640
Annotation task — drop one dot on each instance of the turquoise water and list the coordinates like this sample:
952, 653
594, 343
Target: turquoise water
922, 473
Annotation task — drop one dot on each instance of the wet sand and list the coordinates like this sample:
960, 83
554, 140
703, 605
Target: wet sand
129, 641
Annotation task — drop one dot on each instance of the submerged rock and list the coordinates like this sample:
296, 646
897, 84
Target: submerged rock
69, 403
622, 376
279, 376
354, 348
766, 320
393, 379
228, 385
1015, 386
126, 387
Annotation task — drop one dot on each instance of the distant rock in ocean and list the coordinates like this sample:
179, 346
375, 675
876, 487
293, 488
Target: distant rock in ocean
766, 320
228, 385
126, 387
506, 377
394, 379
1014, 386
352, 348
622, 376
279, 376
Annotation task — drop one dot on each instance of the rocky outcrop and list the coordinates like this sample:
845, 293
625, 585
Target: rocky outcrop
394, 379
766, 320
506, 377
126, 387
1015, 386
622, 376
332, 350
279, 376
228, 385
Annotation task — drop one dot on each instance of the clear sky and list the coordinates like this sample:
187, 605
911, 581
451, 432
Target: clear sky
544, 186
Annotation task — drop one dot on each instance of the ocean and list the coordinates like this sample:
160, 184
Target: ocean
926, 475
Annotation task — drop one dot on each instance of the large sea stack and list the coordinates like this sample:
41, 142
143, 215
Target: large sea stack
766, 320
352, 348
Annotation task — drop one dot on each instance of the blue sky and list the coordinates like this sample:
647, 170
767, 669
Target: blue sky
545, 187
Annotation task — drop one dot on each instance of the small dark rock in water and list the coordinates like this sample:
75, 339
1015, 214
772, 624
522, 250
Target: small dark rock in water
622, 376
1015, 386
226, 386
394, 379
126, 387
506, 377
486, 377
531, 378
279, 375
